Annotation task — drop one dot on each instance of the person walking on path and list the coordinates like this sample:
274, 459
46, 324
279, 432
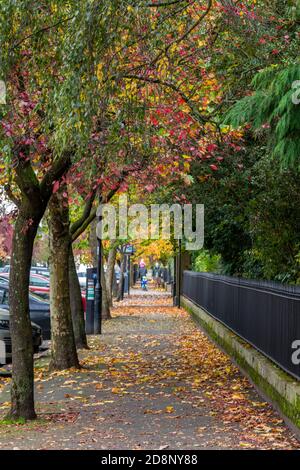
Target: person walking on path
142, 269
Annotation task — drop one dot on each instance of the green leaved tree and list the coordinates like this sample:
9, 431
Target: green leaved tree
274, 107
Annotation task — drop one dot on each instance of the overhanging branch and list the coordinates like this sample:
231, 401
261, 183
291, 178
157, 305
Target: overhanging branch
86, 213
186, 34
195, 112
11, 195
164, 4
57, 170
93, 210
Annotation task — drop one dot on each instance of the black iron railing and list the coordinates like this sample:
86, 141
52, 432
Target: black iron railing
265, 314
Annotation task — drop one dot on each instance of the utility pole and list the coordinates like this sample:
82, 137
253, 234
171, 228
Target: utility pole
98, 288
174, 282
128, 271
179, 274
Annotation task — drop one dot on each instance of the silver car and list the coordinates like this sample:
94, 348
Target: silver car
5, 338
82, 279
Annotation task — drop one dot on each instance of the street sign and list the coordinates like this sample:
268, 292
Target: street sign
91, 276
90, 293
129, 250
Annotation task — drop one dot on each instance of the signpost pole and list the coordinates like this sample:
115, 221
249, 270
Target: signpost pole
174, 282
128, 270
98, 288
129, 250
179, 274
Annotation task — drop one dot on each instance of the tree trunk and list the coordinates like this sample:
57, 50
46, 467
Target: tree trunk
110, 272
31, 203
76, 305
22, 389
63, 348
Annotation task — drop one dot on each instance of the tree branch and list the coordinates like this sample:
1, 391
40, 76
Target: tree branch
164, 4
85, 214
11, 195
186, 34
42, 30
58, 169
84, 225
195, 112
93, 211
25, 176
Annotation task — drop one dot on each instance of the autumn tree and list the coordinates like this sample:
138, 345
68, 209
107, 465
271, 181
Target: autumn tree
30, 67
97, 91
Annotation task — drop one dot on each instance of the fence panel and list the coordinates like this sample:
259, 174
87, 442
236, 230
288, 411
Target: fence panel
265, 314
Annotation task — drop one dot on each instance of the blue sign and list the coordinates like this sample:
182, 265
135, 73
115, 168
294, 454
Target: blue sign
129, 250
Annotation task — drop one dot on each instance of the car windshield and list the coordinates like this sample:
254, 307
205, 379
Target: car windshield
41, 272
39, 298
38, 281
44, 296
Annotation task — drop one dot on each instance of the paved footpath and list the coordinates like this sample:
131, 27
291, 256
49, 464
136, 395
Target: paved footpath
152, 381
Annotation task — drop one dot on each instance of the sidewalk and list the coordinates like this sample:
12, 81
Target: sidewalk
152, 381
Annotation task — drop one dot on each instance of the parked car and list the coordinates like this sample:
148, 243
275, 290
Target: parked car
37, 337
39, 280
38, 307
83, 298
5, 269
38, 284
34, 270
82, 279
35, 279
40, 270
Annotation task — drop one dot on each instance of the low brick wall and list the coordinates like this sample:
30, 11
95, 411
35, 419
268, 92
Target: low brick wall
281, 389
